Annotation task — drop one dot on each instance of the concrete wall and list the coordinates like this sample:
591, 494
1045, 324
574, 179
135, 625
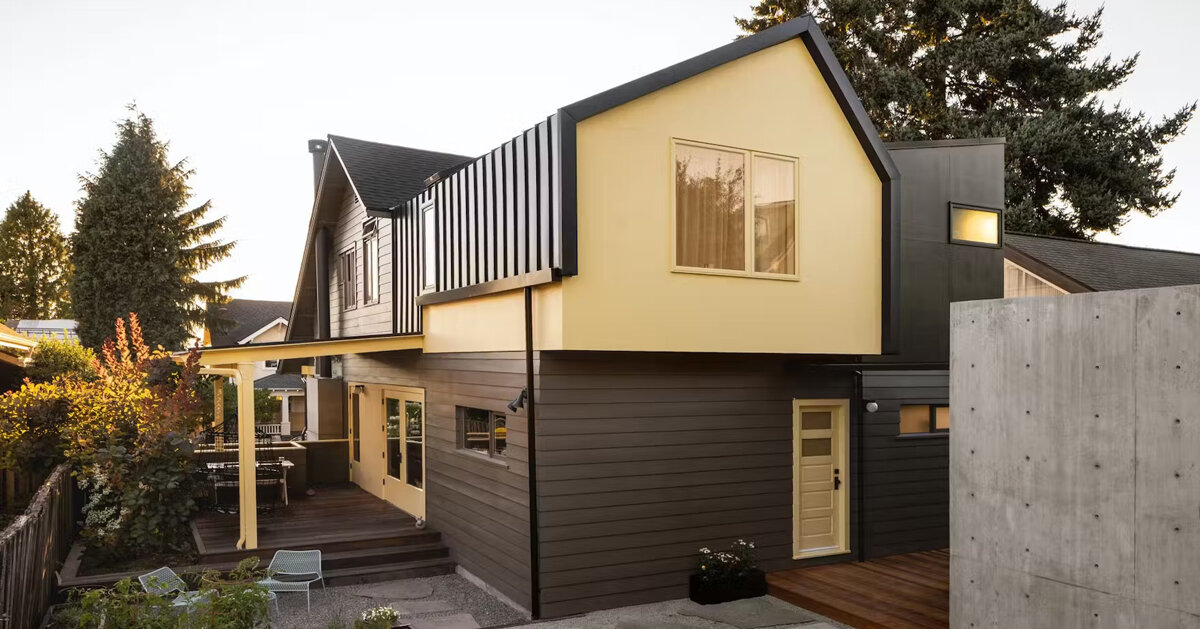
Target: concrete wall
1075, 461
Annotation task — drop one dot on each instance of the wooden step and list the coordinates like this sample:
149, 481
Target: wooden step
381, 556
390, 571
331, 544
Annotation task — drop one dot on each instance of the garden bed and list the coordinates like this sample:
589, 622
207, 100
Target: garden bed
79, 571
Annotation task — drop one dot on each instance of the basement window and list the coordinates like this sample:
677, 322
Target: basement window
923, 419
734, 211
482, 432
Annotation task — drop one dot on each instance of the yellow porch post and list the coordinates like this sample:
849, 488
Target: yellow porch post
247, 474
219, 402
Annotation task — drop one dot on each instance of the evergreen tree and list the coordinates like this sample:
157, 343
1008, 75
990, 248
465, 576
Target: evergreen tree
138, 248
34, 264
938, 69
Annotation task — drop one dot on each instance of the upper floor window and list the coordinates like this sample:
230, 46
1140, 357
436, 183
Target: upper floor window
734, 211
974, 226
370, 263
346, 282
429, 227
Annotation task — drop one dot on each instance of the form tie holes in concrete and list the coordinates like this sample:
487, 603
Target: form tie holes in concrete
1026, 456
1026, 364
1177, 475
1095, 565
1177, 420
1097, 466
1177, 529
1027, 505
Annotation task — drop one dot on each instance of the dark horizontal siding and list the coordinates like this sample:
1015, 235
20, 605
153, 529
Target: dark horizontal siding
906, 483
643, 459
480, 507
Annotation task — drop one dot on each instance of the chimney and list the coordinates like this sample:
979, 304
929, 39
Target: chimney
317, 148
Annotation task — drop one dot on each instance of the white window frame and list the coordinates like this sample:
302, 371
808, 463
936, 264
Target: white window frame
747, 211
344, 282
370, 262
428, 247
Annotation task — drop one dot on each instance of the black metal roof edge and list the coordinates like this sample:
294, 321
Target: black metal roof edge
924, 144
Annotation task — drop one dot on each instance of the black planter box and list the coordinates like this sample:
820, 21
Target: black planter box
749, 585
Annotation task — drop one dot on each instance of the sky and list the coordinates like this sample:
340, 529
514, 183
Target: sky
238, 88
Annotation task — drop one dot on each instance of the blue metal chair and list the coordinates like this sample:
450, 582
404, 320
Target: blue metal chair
294, 571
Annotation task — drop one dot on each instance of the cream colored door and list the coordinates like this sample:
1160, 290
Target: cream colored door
366, 439
404, 449
821, 510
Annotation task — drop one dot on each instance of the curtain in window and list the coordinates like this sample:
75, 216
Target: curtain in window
774, 215
710, 219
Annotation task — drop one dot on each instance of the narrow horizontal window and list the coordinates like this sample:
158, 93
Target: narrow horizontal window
734, 211
916, 419
974, 226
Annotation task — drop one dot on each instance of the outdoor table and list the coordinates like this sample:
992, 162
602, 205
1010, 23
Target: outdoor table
283, 463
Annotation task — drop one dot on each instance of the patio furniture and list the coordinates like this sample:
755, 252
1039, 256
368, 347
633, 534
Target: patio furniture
294, 571
164, 582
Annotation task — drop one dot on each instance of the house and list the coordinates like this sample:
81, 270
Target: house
250, 321
705, 305
15, 350
62, 329
1045, 265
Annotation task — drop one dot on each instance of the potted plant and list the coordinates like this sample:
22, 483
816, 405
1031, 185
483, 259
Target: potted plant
378, 618
727, 576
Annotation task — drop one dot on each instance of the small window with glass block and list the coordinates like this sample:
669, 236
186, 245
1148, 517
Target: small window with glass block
482, 432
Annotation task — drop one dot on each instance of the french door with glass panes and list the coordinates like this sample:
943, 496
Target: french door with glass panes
403, 418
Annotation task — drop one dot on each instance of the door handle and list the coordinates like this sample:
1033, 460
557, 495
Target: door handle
837, 480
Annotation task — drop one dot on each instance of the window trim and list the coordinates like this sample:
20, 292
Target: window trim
974, 243
747, 210
371, 233
428, 209
460, 416
351, 250
933, 431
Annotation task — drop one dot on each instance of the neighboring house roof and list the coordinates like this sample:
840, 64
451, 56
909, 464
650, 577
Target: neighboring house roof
250, 317
46, 328
385, 175
280, 381
1084, 265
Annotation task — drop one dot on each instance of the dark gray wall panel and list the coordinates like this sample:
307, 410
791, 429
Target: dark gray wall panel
480, 507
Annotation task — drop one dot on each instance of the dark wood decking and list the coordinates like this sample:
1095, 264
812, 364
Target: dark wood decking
339, 514
900, 592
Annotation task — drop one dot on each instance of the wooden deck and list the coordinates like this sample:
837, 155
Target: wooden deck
337, 514
901, 592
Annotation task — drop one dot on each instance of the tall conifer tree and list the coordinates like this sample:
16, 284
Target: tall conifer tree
34, 265
137, 246
938, 69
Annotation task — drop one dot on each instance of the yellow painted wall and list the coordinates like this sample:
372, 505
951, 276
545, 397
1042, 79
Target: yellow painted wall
494, 323
626, 297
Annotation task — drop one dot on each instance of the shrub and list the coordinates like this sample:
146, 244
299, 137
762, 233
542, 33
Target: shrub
31, 423
56, 357
727, 565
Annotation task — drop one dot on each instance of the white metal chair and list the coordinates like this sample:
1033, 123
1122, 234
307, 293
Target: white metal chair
164, 582
294, 571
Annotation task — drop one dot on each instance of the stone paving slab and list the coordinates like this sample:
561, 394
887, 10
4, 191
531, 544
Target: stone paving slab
406, 589
454, 621
749, 613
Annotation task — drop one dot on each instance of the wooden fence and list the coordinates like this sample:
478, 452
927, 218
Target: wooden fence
31, 549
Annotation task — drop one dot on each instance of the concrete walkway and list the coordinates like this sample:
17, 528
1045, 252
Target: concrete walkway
757, 613
445, 602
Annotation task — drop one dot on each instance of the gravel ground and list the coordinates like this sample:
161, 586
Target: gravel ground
666, 614
426, 599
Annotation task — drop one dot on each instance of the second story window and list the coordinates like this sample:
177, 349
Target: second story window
734, 211
346, 281
429, 227
370, 262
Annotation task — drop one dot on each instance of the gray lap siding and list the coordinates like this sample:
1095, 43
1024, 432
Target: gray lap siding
481, 507
643, 459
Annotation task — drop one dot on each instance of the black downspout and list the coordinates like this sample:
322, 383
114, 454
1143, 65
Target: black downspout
323, 363
530, 418
395, 276
856, 470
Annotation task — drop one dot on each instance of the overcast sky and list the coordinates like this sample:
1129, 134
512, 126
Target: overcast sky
239, 87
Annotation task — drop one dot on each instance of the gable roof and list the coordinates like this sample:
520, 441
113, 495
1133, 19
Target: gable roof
1099, 266
385, 175
280, 381
248, 316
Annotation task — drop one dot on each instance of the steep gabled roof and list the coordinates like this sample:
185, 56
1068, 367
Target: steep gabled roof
385, 175
248, 316
1102, 266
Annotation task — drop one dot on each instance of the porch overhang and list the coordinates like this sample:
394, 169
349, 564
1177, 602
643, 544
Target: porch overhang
238, 362
283, 350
